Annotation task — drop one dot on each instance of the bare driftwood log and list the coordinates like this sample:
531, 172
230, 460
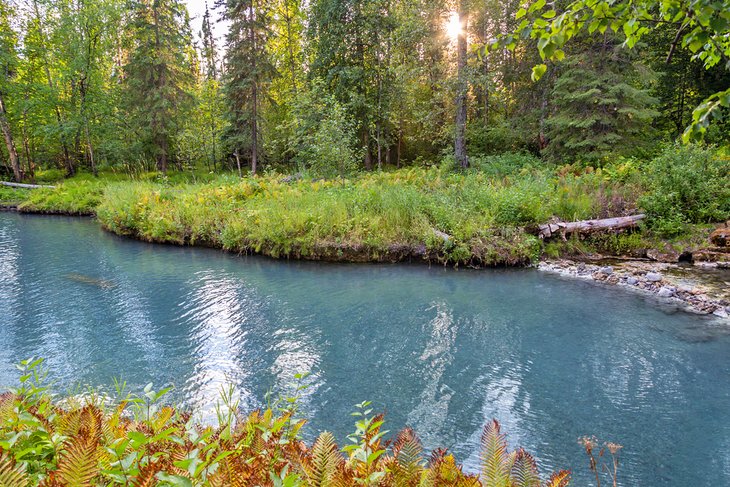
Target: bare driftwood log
26, 186
588, 226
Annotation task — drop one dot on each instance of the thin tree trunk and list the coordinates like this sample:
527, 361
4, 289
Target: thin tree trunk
400, 143
162, 161
90, 149
238, 163
366, 144
9, 143
460, 138
380, 147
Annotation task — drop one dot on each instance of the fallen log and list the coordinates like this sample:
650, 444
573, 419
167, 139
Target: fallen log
26, 186
587, 226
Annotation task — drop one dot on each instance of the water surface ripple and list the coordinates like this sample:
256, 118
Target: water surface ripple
441, 350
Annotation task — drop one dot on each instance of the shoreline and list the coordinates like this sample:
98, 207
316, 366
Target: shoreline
660, 281
634, 274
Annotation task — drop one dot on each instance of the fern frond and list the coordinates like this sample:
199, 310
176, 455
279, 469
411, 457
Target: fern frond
91, 426
7, 406
147, 475
559, 479
11, 475
407, 449
324, 461
78, 463
496, 461
524, 470
68, 423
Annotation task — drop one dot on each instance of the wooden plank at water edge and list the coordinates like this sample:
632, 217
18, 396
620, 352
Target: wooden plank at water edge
588, 226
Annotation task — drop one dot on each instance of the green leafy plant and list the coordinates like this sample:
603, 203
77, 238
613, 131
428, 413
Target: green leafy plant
140, 441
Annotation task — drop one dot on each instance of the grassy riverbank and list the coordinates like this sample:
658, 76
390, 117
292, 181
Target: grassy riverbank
475, 218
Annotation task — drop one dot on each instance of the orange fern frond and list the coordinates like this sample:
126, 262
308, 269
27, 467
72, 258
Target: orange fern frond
11, 475
559, 479
78, 463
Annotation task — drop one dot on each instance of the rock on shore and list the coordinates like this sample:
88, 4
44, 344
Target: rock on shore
649, 278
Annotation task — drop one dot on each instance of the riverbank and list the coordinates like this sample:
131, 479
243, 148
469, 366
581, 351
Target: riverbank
486, 216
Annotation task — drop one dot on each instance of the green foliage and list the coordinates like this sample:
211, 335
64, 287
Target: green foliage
158, 75
69, 198
325, 140
686, 185
601, 106
138, 440
701, 27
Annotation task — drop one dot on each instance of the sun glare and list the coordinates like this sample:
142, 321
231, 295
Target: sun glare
453, 26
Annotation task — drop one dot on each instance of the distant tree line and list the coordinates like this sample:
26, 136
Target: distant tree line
336, 85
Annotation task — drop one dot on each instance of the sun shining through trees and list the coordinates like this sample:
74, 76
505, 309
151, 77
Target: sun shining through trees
453, 26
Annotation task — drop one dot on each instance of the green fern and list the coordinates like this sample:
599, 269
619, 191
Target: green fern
496, 461
407, 462
324, 462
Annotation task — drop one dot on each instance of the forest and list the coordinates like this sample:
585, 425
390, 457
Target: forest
331, 87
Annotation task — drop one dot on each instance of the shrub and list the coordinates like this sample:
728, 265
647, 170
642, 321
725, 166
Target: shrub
507, 164
686, 184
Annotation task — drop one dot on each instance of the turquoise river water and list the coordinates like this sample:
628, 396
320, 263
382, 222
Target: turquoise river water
439, 349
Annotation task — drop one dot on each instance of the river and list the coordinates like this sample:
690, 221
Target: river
439, 349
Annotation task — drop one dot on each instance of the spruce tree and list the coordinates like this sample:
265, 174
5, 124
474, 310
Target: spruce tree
601, 105
248, 72
158, 75
209, 52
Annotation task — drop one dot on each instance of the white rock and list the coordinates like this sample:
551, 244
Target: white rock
666, 292
653, 277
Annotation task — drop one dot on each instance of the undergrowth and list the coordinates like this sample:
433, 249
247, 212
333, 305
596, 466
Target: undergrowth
476, 217
139, 441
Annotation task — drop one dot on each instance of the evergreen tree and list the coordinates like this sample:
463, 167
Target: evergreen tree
158, 73
600, 105
209, 52
249, 70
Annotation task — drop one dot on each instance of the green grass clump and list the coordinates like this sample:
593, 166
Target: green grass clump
73, 197
12, 196
372, 214
474, 217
